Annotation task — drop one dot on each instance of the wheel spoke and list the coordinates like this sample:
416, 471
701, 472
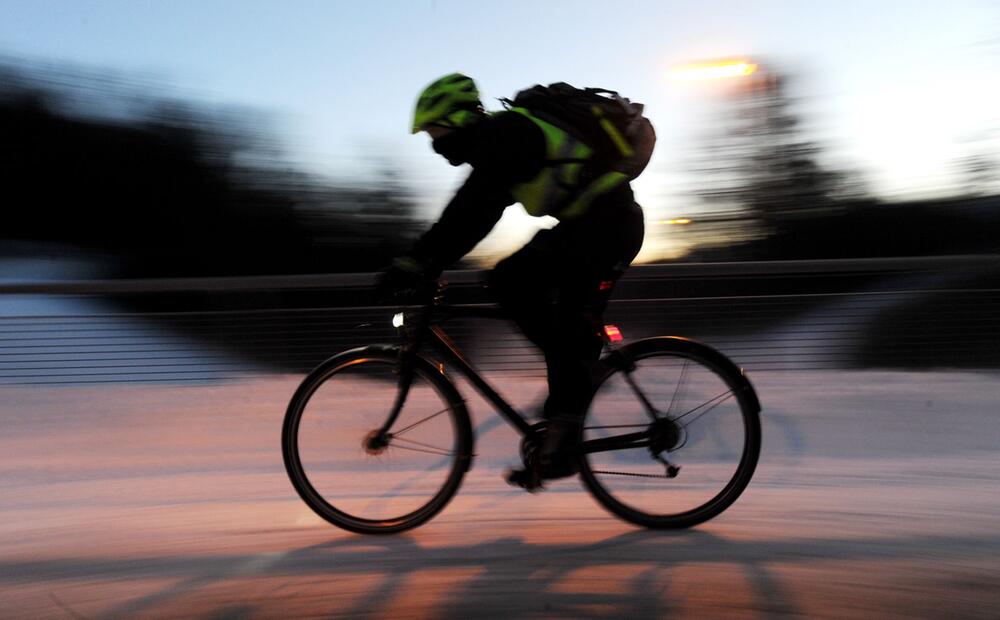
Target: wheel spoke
677, 389
628, 462
427, 447
398, 479
419, 422
714, 402
412, 449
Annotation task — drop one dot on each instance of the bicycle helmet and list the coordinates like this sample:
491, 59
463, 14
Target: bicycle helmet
451, 101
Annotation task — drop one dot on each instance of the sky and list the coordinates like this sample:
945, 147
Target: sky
897, 89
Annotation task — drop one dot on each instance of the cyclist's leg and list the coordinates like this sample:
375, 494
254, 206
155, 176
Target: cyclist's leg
526, 285
541, 287
599, 251
556, 288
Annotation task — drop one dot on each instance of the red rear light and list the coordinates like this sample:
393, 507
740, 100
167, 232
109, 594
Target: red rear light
605, 286
613, 333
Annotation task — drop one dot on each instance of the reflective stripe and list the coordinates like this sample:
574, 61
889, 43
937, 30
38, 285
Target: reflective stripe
604, 183
557, 182
555, 190
610, 129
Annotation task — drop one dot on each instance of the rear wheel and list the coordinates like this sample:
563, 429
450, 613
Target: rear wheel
672, 436
358, 478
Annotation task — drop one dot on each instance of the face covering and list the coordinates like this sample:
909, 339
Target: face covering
453, 146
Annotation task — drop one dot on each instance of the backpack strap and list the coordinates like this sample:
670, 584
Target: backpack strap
609, 128
602, 184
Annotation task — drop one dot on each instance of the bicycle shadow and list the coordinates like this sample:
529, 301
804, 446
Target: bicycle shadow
544, 574
539, 571
507, 576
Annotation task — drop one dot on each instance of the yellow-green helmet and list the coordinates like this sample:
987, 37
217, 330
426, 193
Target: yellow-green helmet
451, 101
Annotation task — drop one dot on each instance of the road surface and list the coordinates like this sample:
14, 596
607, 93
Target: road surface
877, 495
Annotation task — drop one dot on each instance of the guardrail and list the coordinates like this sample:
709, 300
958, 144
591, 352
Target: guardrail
900, 312
637, 272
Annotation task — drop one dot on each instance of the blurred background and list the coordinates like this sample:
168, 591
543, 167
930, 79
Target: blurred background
143, 141
164, 139
251, 155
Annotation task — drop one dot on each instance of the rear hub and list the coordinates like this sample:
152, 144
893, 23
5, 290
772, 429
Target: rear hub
665, 435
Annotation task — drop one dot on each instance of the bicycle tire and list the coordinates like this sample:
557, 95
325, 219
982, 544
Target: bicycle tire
371, 358
702, 359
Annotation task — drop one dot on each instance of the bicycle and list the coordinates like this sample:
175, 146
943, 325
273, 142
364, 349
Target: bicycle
371, 413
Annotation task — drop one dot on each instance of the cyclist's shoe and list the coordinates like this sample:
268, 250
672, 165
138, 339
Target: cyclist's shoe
561, 467
526, 478
532, 478
555, 456
559, 448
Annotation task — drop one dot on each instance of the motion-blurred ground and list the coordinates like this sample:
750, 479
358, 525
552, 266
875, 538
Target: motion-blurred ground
877, 496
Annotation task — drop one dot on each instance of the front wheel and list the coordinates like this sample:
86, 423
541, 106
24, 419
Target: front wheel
357, 477
672, 436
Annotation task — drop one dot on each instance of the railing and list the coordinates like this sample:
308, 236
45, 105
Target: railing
926, 312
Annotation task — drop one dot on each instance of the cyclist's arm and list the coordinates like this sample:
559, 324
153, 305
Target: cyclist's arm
504, 150
470, 216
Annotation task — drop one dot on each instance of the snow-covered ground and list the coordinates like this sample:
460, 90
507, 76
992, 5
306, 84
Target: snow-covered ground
877, 495
52, 339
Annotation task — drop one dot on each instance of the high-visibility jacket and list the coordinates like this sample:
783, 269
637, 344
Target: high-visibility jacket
509, 154
562, 188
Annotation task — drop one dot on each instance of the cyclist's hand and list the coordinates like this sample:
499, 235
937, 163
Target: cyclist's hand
404, 280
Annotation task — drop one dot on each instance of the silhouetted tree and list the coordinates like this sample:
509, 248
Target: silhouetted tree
172, 188
761, 162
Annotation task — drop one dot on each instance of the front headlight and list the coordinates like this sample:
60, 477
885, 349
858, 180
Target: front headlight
397, 320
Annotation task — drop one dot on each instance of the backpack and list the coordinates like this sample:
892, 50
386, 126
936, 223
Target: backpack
621, 137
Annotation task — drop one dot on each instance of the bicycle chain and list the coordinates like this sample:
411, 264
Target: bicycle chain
625, 473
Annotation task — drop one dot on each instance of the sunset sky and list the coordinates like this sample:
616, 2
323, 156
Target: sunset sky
898, 89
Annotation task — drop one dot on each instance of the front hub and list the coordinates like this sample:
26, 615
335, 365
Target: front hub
376, 442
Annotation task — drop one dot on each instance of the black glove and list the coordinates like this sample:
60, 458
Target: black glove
405, 279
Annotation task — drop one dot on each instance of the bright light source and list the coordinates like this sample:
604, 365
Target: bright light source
714, 70
397, 320
681, 221
613, 333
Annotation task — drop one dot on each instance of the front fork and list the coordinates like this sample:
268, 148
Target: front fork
412, 337
404, 370
411, 341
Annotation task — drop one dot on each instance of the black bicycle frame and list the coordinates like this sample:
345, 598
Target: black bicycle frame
428, 324
450, 353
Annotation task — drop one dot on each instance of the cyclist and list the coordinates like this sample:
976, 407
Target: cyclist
557, 286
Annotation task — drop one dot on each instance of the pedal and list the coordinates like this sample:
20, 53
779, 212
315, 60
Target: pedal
525, 479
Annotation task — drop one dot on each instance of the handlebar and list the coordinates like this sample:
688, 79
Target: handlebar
430, 300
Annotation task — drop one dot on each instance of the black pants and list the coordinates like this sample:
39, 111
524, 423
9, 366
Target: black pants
556, 288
